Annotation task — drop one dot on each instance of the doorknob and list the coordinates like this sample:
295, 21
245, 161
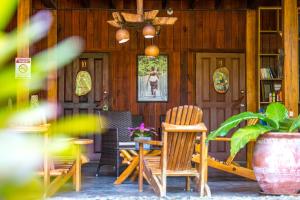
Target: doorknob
242, 105
242, 91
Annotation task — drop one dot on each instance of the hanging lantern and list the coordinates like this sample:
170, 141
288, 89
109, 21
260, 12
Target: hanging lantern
149, 31
152, 51
122, 35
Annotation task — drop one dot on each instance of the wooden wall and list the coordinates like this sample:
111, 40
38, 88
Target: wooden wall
148, 4
194, 31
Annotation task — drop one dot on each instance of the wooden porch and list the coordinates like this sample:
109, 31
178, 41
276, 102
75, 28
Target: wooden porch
217, 57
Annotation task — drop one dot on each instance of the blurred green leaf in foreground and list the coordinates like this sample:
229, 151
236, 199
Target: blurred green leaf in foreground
21, 154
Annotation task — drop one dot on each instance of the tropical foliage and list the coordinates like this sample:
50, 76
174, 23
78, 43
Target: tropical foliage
22, 154
145, 64
275, 119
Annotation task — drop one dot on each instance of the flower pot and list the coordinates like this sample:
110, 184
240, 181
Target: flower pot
276, 163
146, 146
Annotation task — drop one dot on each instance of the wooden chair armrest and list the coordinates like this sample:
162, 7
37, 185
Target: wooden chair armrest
223, 139
184, 128
151, 142
83, 141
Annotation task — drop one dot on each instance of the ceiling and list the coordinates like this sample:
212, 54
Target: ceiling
155, 4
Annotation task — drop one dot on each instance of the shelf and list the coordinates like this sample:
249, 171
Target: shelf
272, 31
269, 54
266, 102
269, 31
269, 8
272, 79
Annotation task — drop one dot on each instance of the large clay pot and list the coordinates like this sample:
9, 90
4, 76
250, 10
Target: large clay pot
276, 163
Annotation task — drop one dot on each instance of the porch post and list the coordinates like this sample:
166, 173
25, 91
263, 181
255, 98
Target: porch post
251, 80
251, 72
52, 78
23, 14
290, 45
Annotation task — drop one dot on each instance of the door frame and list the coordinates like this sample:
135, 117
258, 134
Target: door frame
241, 55
106, 87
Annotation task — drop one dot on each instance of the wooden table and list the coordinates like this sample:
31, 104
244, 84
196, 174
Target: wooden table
132, 159
62, 176
41, 129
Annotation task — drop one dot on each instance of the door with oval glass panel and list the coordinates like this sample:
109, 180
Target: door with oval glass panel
220, 92
81, 88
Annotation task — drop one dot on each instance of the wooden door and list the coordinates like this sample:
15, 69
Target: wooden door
97, 66
219, 106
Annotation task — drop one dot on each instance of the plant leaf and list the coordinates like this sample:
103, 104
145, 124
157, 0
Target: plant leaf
243, 135
235, 120
35, 30
56, 57
277, 112
295, 125
7, 10
285, 125
82, 124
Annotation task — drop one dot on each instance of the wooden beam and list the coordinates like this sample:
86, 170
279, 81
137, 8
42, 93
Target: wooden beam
49, 3
252, 74
251, 79
290, 45
85, 3
218, 4
191, 4
139, 7
252, 4
23, 15
112, 4
52, 78
164, 4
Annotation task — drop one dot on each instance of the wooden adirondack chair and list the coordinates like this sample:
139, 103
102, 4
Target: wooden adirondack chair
179, 133
229, 165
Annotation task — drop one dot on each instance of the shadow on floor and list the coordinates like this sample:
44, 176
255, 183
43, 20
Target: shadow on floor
102, 187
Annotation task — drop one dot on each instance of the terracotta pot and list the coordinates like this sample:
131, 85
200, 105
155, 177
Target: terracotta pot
276, 163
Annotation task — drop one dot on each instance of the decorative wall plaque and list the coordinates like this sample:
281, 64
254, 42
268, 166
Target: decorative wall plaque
221, 79
83, 83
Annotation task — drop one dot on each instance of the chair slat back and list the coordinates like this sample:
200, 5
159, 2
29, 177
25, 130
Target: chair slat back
180, 145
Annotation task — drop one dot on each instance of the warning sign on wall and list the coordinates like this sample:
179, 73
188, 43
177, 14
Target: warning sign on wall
23, 68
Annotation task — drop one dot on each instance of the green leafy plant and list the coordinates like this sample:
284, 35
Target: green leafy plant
21, 154
275, 119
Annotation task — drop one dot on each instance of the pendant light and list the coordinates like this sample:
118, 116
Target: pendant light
149, 31
122, 35
152, 51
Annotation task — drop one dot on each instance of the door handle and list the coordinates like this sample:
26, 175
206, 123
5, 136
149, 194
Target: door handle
242, 105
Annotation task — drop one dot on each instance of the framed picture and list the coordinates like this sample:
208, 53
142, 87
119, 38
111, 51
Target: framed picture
152, 79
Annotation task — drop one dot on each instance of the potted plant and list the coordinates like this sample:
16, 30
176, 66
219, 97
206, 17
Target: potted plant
276, 158
142, 133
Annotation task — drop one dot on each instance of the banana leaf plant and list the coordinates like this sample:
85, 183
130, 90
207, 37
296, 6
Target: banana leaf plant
21, 154
275, 119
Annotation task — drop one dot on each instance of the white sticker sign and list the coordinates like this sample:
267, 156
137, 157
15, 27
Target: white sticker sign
23, 68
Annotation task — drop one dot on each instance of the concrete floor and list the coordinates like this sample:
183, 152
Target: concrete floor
102, 187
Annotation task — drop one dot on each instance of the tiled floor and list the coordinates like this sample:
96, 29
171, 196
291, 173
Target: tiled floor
103, 188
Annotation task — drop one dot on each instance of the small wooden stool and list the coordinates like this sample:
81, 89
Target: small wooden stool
80, 159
